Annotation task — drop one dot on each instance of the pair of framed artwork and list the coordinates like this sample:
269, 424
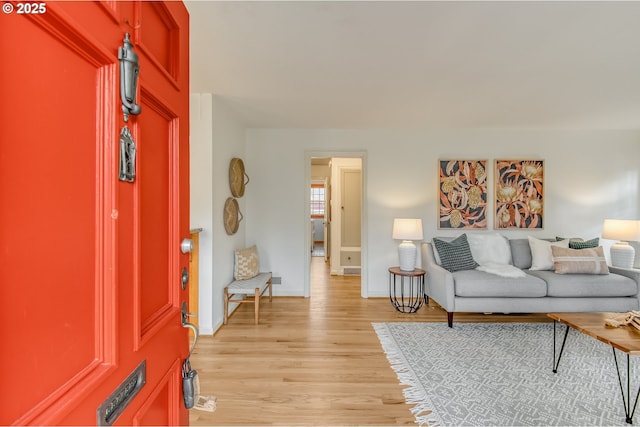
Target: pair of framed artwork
518, 194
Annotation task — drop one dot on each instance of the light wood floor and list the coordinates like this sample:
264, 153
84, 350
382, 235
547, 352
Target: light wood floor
310, 361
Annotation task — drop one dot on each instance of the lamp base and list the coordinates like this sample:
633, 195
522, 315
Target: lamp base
622, 255
407, 255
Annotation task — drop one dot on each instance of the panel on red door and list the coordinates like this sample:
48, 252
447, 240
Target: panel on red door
51, 222
159, 282
90, 266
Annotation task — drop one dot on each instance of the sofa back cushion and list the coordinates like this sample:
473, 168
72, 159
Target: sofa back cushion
520, 253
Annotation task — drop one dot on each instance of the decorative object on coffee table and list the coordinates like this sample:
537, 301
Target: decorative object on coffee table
407, 230
623, 230
519, 195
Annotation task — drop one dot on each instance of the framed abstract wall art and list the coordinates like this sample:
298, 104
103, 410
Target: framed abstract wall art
519, 194
463, 194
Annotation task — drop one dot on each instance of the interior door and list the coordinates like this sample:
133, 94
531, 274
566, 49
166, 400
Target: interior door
327, 218
90, 284
351, 195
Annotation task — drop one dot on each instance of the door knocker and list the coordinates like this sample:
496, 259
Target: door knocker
129, 70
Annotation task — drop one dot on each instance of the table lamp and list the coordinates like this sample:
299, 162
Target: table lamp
624, 230
407, 230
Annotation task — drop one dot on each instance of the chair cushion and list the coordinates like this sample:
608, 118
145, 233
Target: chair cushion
248, 286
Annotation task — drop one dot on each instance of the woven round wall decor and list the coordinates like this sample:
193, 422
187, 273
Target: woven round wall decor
231, 216
238, 178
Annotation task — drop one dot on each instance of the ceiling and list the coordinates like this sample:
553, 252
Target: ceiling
420, 64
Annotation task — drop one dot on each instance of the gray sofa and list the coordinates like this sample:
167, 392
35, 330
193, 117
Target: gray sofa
545, 291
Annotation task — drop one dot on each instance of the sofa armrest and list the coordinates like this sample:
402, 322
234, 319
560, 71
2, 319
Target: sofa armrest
632, 273
438, 281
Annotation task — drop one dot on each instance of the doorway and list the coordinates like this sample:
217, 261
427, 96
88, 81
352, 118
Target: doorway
337, 222
320, 212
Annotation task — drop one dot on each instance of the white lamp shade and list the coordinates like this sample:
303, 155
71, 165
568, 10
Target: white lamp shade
622, 254
407, 229
621, 229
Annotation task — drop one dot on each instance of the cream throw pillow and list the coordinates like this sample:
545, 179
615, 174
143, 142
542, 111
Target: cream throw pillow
584, 261
541, 256
246, 263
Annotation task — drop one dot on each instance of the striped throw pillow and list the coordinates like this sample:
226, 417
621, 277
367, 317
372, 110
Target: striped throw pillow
579, 261
456, 254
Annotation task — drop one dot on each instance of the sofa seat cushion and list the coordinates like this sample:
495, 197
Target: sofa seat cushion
586, 285
474, 283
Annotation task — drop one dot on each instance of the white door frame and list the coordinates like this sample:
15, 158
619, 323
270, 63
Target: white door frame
308, 155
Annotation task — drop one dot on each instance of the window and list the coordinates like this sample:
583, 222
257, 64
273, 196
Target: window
318, 202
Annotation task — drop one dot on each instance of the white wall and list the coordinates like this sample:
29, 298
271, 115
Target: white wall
216, 137
589, 176
201, 182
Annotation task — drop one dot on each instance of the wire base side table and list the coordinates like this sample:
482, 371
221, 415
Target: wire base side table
406, 289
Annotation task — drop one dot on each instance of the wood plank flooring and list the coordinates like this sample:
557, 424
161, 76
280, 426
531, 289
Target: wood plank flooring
310, 361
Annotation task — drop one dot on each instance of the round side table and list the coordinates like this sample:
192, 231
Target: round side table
406, 289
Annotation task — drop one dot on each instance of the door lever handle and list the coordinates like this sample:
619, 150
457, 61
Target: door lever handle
191, 326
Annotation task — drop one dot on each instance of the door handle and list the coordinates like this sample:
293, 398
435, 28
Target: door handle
186, 324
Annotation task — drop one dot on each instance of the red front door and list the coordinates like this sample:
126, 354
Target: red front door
90, 266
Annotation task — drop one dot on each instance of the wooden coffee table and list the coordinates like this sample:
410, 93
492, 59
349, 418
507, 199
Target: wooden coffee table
625, 338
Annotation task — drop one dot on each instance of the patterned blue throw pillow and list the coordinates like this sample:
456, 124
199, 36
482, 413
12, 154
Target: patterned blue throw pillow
456, 254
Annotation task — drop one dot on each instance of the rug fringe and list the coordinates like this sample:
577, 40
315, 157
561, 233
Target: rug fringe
414, 394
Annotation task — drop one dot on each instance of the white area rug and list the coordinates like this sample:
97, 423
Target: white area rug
500, 374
